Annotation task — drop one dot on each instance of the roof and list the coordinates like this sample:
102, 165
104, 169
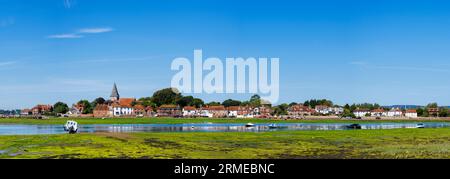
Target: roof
101, 107
43, 107
168, 106
189, 108
299, 108
139, 107
395, 110
379, 110
126, 102
321, 107
115, 92
411, 111
215, 108
234, 108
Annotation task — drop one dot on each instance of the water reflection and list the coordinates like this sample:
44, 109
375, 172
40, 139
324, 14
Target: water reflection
127, 128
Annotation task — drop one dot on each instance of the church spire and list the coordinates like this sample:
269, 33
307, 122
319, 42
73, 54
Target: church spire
115, 93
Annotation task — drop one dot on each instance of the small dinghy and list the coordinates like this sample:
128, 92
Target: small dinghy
420, 126
273, 126
250, 125
354, 126
71, 127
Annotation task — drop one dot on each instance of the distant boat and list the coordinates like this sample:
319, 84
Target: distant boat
250, 125
354, 126
273, 126
420, 126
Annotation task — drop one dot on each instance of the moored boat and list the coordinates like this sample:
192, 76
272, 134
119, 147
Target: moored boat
354, 126
250, 125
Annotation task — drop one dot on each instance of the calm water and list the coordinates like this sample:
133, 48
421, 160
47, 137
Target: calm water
122, 128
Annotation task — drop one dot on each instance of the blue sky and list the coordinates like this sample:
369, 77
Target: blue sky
390, 52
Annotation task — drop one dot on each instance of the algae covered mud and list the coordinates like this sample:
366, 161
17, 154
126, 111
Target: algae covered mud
340, 144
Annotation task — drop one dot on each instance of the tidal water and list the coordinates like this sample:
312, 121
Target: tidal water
202, 127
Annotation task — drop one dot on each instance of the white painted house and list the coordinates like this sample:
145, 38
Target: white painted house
379, 113
412, 113
361, 112
395, 112
190, 111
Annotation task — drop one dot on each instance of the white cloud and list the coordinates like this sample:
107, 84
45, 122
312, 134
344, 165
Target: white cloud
95, 30
78, 33
65, 36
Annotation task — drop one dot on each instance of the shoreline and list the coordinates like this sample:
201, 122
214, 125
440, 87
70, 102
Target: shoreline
61, 121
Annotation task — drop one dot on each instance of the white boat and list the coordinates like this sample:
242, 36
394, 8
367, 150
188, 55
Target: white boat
71, 127
250, 125
273, 126
420, 126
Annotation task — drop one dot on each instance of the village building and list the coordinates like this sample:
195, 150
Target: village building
26, 112
41, 109
326, 110
395, 112
299, 111
120, 107
150, 112
102, 110
74, 112
361, 112
378, 113
215, 111
265, 111
123, 107
246, 112
233, 111
411, 113
190, 111
169, 111
433, 112
321, 109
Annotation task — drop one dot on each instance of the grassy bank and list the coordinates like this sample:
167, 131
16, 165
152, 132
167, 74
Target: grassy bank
397, 143
61, 121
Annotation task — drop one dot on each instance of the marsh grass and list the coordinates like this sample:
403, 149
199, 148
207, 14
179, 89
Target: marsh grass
358, 144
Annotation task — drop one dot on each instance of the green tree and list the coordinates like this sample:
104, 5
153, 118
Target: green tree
185, 101
314, 102
348, 113
420, 112
98, 101
87, 107
197, 102
293, 104
60, 108
213, 103
230, 102
165, 96
443, 112
432, 105
280, 109
255, 100
146, 102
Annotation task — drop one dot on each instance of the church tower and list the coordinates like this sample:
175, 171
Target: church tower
115, 94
